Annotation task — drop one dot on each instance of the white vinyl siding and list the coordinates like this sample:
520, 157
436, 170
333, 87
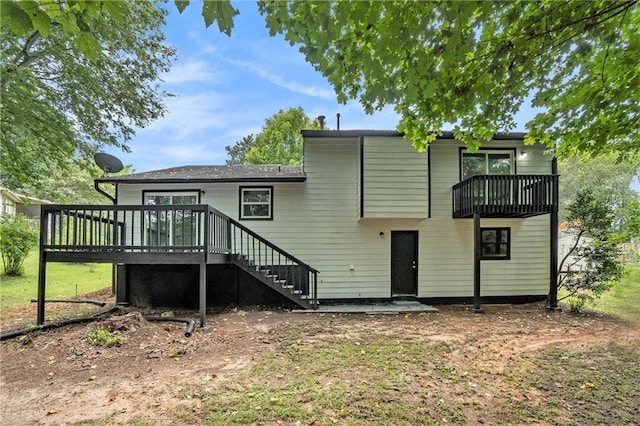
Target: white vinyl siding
395, 179
447, 252
318, 221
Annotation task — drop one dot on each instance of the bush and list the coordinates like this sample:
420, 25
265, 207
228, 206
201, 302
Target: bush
591, 266
17, 239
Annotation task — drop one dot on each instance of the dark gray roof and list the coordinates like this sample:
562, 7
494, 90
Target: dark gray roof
445, 134
228, 173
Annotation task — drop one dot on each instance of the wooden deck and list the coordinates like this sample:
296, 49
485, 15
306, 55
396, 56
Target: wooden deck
188, 234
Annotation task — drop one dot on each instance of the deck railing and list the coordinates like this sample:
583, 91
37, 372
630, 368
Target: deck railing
505, 196
257, 253
135, 229
127, 230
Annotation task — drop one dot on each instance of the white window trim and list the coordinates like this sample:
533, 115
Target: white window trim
170, 194
268, 203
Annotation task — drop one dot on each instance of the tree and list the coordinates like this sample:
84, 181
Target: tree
78, 175
238, 152
75, 18
605, 178
590, 266
58, 100
473, 64
17, 239
279, 141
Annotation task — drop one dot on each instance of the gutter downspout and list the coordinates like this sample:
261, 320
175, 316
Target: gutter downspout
96, 185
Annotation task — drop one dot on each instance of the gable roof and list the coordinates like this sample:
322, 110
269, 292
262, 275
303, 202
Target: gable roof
227, 173
22, 199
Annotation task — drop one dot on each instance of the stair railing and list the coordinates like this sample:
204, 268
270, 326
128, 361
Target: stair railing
228, 236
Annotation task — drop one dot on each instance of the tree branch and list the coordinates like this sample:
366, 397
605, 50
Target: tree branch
575, 245
24, 58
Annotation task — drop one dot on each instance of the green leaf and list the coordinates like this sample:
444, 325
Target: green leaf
181, 5
69, 23
117, 9
221, 11
41, 23
16, 19
88, 45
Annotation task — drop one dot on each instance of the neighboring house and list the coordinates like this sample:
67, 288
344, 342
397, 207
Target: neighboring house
366, 217
13, 203
9, 201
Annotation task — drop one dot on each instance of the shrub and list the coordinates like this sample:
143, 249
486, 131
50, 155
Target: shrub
591, 266
17, 239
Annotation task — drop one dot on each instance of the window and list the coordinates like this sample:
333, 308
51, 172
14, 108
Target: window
172, 226
487, 163
169, 199
256, 203
495, 243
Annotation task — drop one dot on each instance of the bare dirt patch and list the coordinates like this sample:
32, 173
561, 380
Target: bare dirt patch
156, 374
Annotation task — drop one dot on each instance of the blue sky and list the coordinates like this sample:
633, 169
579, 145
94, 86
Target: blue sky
225, 87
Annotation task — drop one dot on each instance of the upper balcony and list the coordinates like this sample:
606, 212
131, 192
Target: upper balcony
505, 196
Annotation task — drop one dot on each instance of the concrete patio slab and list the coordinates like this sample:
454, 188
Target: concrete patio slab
395, 307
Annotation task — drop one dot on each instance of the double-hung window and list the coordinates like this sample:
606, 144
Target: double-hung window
256, 203
173, 226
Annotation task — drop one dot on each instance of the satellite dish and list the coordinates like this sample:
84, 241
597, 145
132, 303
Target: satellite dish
108, 163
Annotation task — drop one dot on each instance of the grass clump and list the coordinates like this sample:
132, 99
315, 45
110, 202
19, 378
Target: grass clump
103, 336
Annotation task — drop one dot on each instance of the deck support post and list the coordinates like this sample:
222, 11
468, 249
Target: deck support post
553, 242
42, 279
477, 252
42, 264
203, 293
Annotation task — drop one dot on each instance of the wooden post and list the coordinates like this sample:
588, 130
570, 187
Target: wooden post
203, 293
42, 264
553, 240
42, 278
477, 253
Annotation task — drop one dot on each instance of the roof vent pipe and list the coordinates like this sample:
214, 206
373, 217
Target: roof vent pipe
321, 119
338, 121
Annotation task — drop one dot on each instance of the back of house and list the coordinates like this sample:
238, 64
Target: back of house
373, 216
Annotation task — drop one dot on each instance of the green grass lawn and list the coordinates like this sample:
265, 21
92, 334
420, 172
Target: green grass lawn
623, 300
63, 280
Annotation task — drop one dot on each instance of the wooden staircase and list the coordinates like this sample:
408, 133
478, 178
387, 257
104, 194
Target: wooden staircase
291, 281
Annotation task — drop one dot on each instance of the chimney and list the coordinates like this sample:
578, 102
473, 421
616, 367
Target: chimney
338, 121
321, 119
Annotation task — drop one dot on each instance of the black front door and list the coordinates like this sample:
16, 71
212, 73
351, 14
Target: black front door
404, 263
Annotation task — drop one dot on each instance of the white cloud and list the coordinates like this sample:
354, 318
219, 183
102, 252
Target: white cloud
188, 153
190, 114
192, 71
293, 86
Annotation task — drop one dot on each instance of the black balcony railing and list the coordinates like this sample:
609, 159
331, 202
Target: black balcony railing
505, 196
